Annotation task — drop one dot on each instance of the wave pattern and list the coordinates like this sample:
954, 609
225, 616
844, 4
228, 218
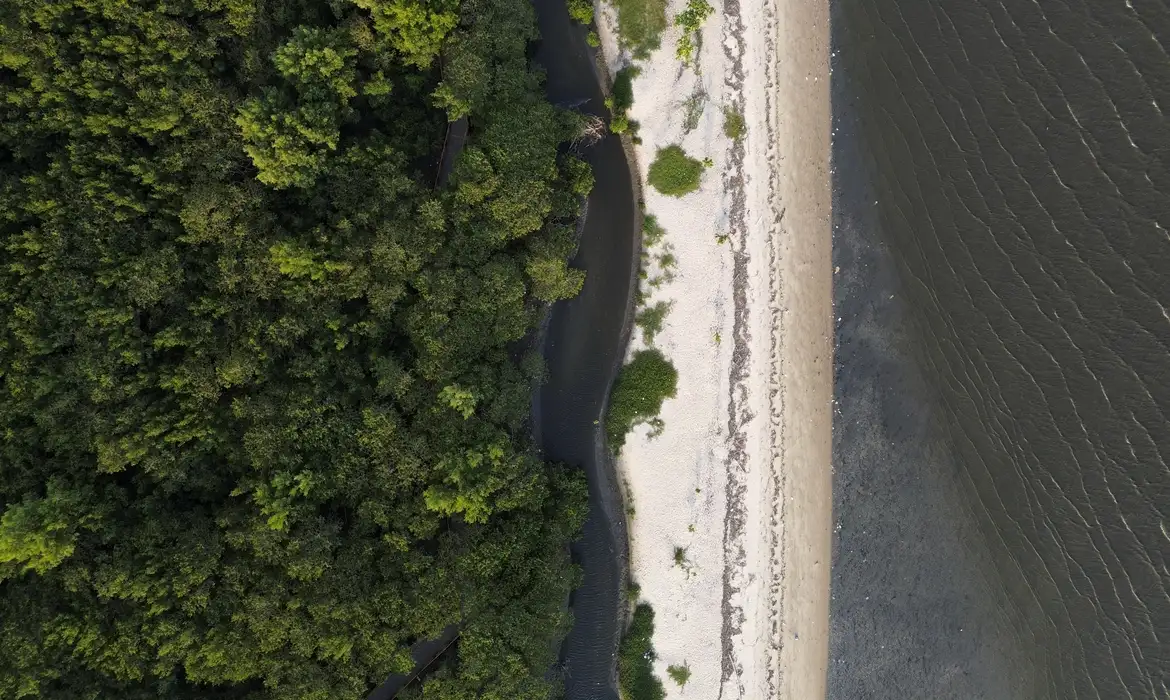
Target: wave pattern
1019, 152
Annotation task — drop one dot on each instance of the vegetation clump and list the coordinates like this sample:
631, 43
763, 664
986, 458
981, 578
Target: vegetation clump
637, 396
621, 100
674, 173
679, 674
733, 123
581, 11
651, 320
264, 418
690, 20
652, 231
636, 679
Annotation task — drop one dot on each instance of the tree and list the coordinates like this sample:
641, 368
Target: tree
264, 419
288, 138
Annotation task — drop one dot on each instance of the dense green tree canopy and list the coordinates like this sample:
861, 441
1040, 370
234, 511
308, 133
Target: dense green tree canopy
262, 408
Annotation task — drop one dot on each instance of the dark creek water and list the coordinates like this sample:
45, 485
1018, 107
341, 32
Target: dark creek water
1002, 211
583, 348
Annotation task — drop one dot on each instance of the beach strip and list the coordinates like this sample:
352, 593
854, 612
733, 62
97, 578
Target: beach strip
730, 505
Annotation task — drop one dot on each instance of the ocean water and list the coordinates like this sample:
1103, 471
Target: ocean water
1002, 213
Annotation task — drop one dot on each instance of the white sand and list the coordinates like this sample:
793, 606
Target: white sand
740, 477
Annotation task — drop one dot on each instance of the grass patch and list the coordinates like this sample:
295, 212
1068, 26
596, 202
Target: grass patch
652, 231
733, 123
674, 173
679, 674
637, 396
693, 110
636, 680
640, 25
667, 260
651, 320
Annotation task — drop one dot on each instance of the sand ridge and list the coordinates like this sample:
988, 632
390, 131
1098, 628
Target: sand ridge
740, 476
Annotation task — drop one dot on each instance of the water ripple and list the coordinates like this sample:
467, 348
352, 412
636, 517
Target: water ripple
1019, 153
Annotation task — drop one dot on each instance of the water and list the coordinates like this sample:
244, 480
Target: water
583, 349
1003, 170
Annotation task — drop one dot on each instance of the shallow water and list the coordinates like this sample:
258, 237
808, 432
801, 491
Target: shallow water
1002, 170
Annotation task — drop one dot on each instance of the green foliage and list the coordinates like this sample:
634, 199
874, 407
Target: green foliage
680, 556
733, 123
636, 679
637, 395
264, 415
674, 173
640, 25
581, 11
651, 319
633, 592
623, 88
667, 259
679, 674
40, 533
690, 20
415, 30
288, 133
593, 39
622, 99
652, 231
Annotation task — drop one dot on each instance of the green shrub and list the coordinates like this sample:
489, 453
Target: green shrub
581, 11
651, 320
592, 39
623, 88
636, 680
674, 173
621, 100
637, 396
679, 674
733, 123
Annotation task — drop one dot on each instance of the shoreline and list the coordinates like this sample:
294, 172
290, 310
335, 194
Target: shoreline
740, 478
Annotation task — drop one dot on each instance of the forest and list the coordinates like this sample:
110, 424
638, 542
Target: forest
265, 384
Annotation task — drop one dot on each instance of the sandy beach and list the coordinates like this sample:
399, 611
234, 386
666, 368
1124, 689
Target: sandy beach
740, 476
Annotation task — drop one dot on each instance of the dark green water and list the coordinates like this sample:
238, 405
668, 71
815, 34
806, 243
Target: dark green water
1003, 227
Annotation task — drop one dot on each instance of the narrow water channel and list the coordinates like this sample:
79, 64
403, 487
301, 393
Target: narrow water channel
584, 347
